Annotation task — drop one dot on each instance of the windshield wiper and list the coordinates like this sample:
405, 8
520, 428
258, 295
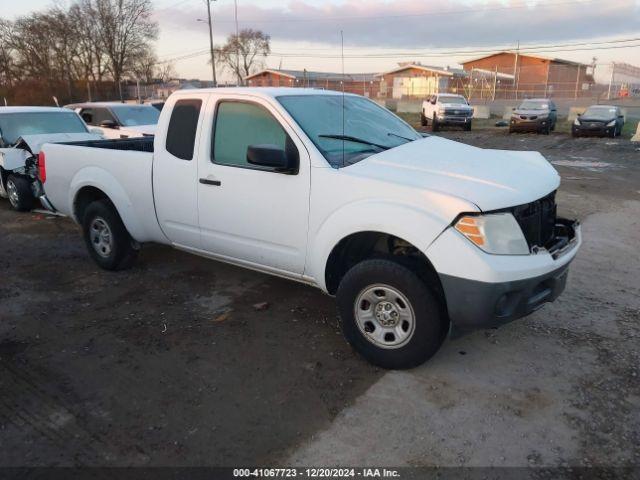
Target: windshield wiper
391, 134
356, 140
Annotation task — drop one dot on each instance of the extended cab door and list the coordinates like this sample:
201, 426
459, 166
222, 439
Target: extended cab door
175, 169
248, 214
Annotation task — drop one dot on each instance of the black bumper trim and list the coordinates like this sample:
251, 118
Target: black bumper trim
473, 305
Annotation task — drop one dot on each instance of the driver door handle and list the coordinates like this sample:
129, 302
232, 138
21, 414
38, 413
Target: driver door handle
206, 181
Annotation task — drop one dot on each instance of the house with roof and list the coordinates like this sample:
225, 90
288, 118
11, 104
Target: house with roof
360, 83
533, 75
414, 80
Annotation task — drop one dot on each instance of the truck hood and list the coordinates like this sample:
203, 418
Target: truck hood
491, 179
457, 106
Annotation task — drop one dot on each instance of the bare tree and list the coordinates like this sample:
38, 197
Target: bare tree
125, 30
166, 71
245, 52
144, 66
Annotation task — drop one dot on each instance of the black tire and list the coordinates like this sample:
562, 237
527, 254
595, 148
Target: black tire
574, 134
121, 253
614, 133
430, 323
23, 199
423, 119
434, 124
546, 130
467, 127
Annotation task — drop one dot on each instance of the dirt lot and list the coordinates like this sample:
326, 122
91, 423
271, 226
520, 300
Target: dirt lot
171, 363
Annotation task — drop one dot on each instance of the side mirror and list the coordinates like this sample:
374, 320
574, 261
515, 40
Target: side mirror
272, 156
579, 115
108, 124
433, 102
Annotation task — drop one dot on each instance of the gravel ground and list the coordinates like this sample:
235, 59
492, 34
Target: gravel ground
178, 362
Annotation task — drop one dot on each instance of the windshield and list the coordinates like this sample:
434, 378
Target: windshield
16, 125
533, 105
368, 127
133, 115
603, 113
454, 100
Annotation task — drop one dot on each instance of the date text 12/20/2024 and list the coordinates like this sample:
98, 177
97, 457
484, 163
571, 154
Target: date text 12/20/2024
315, 473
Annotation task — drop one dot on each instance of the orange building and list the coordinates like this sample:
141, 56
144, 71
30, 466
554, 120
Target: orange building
533, 75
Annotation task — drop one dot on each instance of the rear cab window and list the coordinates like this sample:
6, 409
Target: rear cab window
183, 127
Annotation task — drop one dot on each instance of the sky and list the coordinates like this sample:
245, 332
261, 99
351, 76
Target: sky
380, 33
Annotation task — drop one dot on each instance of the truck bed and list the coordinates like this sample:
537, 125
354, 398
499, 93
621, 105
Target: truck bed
122, 168
144, 144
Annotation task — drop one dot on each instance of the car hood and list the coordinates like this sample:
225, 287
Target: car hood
531, 112
595, 119
142, 129
491, 179
35, 142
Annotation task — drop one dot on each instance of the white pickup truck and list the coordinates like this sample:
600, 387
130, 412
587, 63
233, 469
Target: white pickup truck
413, 235
446, 109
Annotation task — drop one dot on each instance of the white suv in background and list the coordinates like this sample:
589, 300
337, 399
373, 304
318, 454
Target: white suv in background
446, 109
119, 120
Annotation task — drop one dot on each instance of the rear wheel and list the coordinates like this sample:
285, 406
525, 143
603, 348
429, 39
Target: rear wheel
389, 315
106, 237
19, 193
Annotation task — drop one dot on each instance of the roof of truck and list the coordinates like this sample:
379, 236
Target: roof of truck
30, 109
262, 91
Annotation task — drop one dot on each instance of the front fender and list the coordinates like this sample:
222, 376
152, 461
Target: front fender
103, 180
417, 226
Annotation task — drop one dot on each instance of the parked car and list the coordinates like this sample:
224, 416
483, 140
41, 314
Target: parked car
534, 115
119, 120
411, 234
446, 109
157, 104
22, 131
601, 120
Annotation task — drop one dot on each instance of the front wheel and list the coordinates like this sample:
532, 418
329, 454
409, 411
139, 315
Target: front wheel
434, 123
423, 120
19, 193
467, 127
389, 315
106, 237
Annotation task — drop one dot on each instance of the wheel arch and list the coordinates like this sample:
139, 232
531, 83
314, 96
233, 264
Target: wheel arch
363, 245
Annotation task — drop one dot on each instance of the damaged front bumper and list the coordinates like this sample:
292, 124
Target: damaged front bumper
474, 304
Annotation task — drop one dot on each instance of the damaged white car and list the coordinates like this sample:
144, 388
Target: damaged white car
22, 131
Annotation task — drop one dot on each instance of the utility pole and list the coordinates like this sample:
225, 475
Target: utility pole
239, 81
516, 70
213, 60
611, 79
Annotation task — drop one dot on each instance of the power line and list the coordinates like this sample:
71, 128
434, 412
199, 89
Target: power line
418, 14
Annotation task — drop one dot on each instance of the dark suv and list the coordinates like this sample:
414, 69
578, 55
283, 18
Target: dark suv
534, 115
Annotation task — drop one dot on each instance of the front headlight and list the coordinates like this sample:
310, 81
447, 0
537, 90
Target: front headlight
576, 122
496, 233
612, 123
